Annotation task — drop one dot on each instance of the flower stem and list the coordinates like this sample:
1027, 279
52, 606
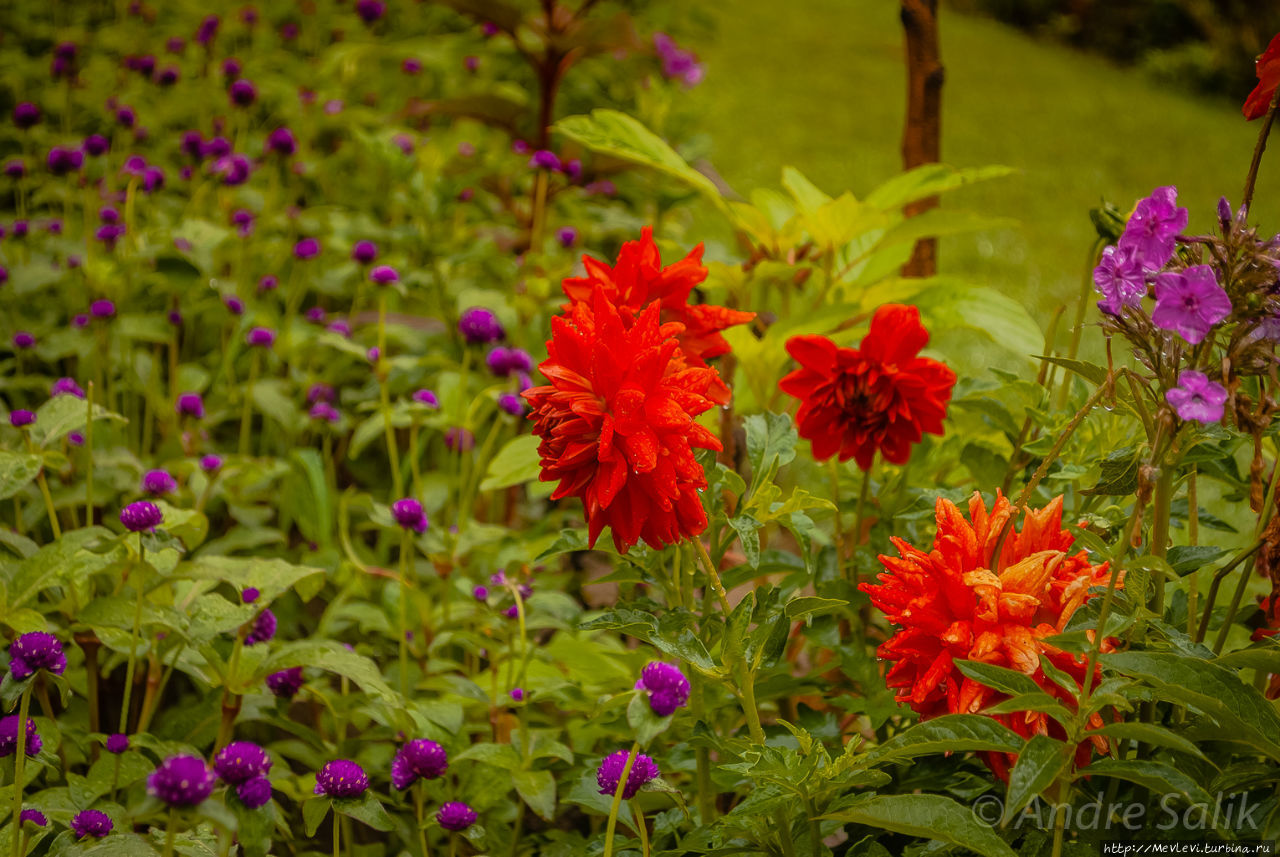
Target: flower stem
337, 829
1252, 178
384, 392
88, 447
834, 467
641, 828
417, 808
702, 756
858, 512
44, 491
1161, 502
617, 799
406, 543
19, 758
140, 569
169, 834
713, 575
246, 406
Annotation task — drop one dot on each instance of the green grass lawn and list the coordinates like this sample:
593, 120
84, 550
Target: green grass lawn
820, 84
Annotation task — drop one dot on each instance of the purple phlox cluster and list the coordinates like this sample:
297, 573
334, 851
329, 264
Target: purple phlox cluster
409, 514
190, 405
240, 761
9, 736
1190, 302
21, 418
286, 683
181, 781
677, 64
91, 822
341, 778
667, 687
1197, 398
456, 816
1153, 228
158, 483
609, 774
33, 651
480, 326
264, 628
418, 759
141, 516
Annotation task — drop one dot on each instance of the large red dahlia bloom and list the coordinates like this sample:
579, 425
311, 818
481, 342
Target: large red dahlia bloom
617, 423
951, 605
1268, 70
881, 395
639, 278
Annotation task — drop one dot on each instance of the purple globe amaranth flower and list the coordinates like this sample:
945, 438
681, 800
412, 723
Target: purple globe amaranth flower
158, 483
480, 593
108, 214
341, 778
21, 418
126, 117
456, 816
66, 387
384, 275
324, 411
409, 515
667, 686
141, 516
242, 93
321, 392
426, 397
95, 145
249, 594
544, 159
511, 404
20, 228
609, 774
208, 29
15, 168
231, 67
261, 337
1190, 302
167, 76
568, 236
210, 463
80, 320
677, 64
286, 683
268, 283
23, 340
282, 142
254, 792
264, 628
117, 743
242, 220
234, 169
36, 651
215, 147
471, 63
307, 248
34, 816
190, 405
1120, 280
109, 234
364, 252
175, 45
233, 304
505, 361
1153, 228
62, 160
181, 781
240, 761
459, 439
417, 759
370, 10
479, 326
9, 736
91, 823
411, 65
75, 438
26, 114
572, 169
1196, 398
517, 694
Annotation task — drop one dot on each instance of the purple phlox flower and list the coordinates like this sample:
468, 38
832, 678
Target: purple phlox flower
240, 761
1190, 302
568, 236
9, 736
341, 778
370, 10
667, 687
286, 683
157, 483
307, 248
411, 66
208, 29
1224, 214
26, 114
15, 168
95, 145
677, 64
91, 822
190, 405
62, 160
459, 439
21, 418
511, 403
364, 252
234, 169
609, 774
1196, 398
140, 516
181, 781
517, 694
215, 147
117, 743
409, 514
233, 304
268, 283
167, 76
261, 337
264, 628
426, 397
254, 792
544, 159
325, 411
210, 463
1153, 228
36, 651
102, 309
282, 142
418, 759
479, 325
34, 816
67, 386
384, 275
456, 816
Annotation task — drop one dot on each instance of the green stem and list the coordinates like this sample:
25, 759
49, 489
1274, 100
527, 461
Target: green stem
713, 575
858, 512
406, 542
19, 760
140, 569
88, 448
44, 491
384, 393
1162, 500
415, 468
417, 806
641, 828
246, 406
702, 756
833, 464
617, 800
337, 837
170, 834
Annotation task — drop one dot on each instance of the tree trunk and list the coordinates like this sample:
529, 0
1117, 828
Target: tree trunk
922, 136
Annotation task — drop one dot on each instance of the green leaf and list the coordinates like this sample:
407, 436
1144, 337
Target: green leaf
271, 577
1157, 776
943, 221
806, 194
1149, 733
515, 464
538, 789
120, 845
1039, 764
930, 180
811, 605
16, 472
672, 634
61, 415
1184, 559
950, 732
69, 558
365, 808
928, 817
313, 812
328, 655
645, 724
1002, 679
771, 444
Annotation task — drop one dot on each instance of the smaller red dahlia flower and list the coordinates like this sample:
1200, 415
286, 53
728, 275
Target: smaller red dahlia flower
1268, 70
617, 423
879, 396
639, 278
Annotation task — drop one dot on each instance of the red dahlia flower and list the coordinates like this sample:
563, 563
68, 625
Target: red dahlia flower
617, 422
951, 605
639, 278
1268, 69
880, 395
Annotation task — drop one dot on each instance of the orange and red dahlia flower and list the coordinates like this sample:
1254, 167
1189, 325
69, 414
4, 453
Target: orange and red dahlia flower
1268, 70
617, 423
953, 603
880, 396
639, 278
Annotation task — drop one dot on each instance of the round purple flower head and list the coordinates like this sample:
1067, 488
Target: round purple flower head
307, 248
479, 325
411, 65
9, 736
667, 686
261, 337
609, 774
254, 792
190, 405
181, 781
66, 386
21, 418
34, 816
240, 761
286, 683
242, 220
102, 309
459, 439
23, 340
1196, 398
408, 514
544, 159
384, 275
62, 160
426, 397
324, 411
249, 594
95, 145
364, 252
91, 822
341, 778
1190, 302
419, 758
370, 10
264, 628
36, 651
511, 403
242, 93
26, 114
517, 694
233, 304
234, 169
140, 516
268, 283
456, 816
20, 228
75, 438
568, 236
210, 463
117, 743
282, 142
480, 593
208, 29
1153, 228
157, 483
503, 361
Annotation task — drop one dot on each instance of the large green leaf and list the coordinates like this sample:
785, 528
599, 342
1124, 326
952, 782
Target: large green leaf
515, 464
16, 472
70, 558
930, 180
1157, 776
328, 655
951, 732
61, 415
1000, 678
1039, 764
365, 808
271, 577
929, 817
538, 788
672, 634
